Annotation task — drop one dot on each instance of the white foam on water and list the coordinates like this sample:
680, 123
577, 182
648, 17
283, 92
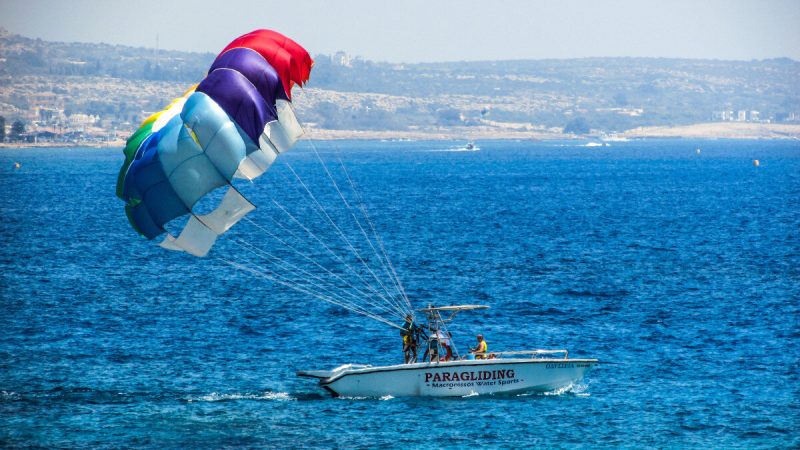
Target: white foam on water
384, 398
452, 149
576, 389
8, 395
217, 397
352, 398
471, 394
559, 391
580, 390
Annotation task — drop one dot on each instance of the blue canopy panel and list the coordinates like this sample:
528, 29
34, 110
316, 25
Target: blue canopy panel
207, 154
147, 187
129, 192
134, 209
192, 155
210, 131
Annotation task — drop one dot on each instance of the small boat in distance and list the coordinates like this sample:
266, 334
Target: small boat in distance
471, 147
505, 372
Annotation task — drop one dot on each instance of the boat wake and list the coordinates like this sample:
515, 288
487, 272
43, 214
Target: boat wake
461, 148
217, 397
574, 389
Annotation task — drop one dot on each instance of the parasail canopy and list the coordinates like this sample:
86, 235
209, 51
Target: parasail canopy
233, 124
177, 182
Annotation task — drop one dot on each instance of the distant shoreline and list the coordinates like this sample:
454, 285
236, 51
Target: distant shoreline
713, 130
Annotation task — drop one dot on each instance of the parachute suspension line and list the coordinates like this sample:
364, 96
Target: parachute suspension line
277, 279
289, 267
331, 252
328, 249
360, 227
395, 278
322, 285
339, 232
363, 209
397, 307
307, 258
271, 276
368, 286
361, 205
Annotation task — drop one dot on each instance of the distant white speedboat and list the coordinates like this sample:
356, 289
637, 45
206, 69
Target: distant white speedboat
511, 372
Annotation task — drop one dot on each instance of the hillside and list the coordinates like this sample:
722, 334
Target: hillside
101, 88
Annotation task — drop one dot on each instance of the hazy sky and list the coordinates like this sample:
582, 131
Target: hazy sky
430, 30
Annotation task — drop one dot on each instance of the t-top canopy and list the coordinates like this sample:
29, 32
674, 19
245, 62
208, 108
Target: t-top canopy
453, 308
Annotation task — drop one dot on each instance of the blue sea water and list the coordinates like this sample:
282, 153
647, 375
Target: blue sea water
679, 271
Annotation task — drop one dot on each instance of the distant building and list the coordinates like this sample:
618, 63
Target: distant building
722, 116
341, 59
632, 112
736, 116
49, 115
81, 120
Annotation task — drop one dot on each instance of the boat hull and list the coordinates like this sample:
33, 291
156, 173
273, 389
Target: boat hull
455, 378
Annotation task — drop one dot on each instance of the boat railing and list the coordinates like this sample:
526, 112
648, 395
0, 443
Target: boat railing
533, 353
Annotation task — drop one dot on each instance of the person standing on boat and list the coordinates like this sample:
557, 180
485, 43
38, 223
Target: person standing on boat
432, 353
481, 349
409, 334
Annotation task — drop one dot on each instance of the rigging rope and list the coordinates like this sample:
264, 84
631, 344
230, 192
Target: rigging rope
380, 303
277, 279
338, 230
344, 238
322, 285
328, 249
362, 208
306, 257
357, 221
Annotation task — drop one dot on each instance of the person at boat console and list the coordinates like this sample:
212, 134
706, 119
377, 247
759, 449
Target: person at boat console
409, 333
445, 342
481, 350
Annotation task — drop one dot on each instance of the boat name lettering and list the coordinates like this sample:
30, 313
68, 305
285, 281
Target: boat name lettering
559, 366
479, 375
476, 383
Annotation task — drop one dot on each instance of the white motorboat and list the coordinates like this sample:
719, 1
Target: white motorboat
454, 378
511, 372
471, 147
